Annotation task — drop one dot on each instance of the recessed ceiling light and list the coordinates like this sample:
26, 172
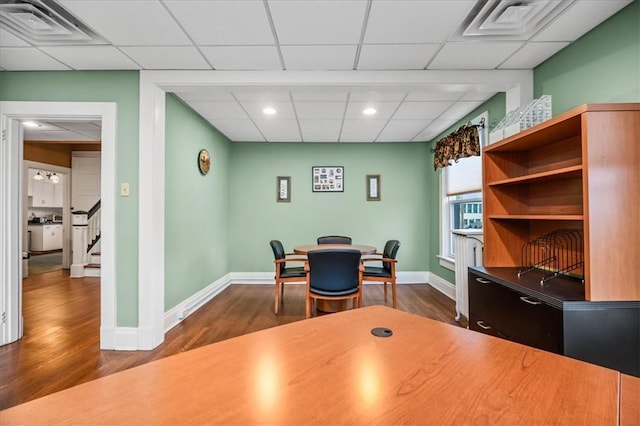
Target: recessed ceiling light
269, 111
369, 111
30, 124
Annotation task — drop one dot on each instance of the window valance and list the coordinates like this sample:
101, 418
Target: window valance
464, 142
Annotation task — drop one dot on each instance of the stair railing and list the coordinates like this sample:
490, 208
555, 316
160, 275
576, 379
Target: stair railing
86, 233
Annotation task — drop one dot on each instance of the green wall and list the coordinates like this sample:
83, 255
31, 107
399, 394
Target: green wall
196, 206
601, 66
256, 217
121, 87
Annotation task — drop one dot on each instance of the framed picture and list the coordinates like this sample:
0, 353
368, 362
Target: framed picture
327, 178
373, 188
283, 189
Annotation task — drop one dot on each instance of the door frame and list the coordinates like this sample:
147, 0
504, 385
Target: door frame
11, 208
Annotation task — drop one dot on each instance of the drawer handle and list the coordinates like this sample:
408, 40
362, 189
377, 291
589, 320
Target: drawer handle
483, 326
483, 281
530, 301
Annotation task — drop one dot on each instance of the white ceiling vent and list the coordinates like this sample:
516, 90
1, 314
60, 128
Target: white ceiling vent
512, 19
45, 22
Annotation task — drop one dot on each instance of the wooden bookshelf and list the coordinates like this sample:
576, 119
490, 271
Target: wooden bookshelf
579, 170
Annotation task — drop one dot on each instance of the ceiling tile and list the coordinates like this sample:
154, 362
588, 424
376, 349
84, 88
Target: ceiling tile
435, 129
219, 110
383, 109
91, 57
223, 22
358, 137
318, 22
473, 55
421, 110
132, 22
254, 109
412, 21
320, 110
477, 95
532, 54
396, 56
395, 137
459, 109
318, 57
261, 94
371, 127
578, 19
167, 58
406, 126
9, 40
27, 58
434, 95
320, 130
279, 130
238, 130
243, 57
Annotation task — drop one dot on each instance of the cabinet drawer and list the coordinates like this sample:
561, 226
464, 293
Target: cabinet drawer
514, 315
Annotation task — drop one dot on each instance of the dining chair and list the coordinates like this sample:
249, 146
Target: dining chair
334, 239
385, 273
284, 274
334, 274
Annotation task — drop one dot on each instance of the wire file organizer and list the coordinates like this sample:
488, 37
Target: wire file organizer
559, 252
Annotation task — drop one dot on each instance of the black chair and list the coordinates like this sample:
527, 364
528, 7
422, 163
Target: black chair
334, 239
334, 275
385, 273
283, 274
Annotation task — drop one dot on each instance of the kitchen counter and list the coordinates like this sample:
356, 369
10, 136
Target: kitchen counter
45, 236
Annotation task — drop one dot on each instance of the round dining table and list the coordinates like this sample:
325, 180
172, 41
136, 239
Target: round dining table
333, 305
364, 249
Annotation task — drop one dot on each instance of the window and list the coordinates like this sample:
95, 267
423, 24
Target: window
460, 198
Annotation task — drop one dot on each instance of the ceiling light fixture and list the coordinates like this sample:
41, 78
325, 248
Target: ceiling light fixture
38, 176
31, 124
269, 111
369, 111
53, 177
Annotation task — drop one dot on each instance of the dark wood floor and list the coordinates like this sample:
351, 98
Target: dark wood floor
60, 347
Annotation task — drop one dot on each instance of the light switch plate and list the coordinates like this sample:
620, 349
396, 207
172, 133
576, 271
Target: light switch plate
124, 189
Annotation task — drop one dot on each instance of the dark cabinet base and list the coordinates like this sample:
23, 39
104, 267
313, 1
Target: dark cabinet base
555, 317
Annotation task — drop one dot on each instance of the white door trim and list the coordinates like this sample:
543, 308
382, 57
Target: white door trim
518, 85
11, 207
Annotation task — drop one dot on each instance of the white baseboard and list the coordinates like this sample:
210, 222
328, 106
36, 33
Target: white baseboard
119, 339
188, 306
442, 285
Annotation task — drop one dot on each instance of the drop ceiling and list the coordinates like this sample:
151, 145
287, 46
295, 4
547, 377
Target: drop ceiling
293, 37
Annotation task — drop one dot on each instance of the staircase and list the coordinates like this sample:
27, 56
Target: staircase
86, 243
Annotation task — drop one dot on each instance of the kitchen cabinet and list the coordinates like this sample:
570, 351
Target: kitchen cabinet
46, 237
46, 194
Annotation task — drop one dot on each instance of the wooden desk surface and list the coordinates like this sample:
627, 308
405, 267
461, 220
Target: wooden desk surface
364, 249
332, 370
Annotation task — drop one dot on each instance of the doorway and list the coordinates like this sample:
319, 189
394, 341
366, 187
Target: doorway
12, 218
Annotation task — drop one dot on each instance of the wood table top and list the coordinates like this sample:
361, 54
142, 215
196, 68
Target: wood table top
364, 249
332, 370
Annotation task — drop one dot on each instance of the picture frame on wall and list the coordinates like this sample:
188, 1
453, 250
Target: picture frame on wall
327, 178
373, 188
283, 189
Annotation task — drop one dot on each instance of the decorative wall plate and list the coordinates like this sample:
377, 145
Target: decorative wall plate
204, 161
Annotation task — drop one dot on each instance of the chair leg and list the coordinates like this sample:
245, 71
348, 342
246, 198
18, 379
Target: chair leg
393, 293
275, 298
308, 306
385, 293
